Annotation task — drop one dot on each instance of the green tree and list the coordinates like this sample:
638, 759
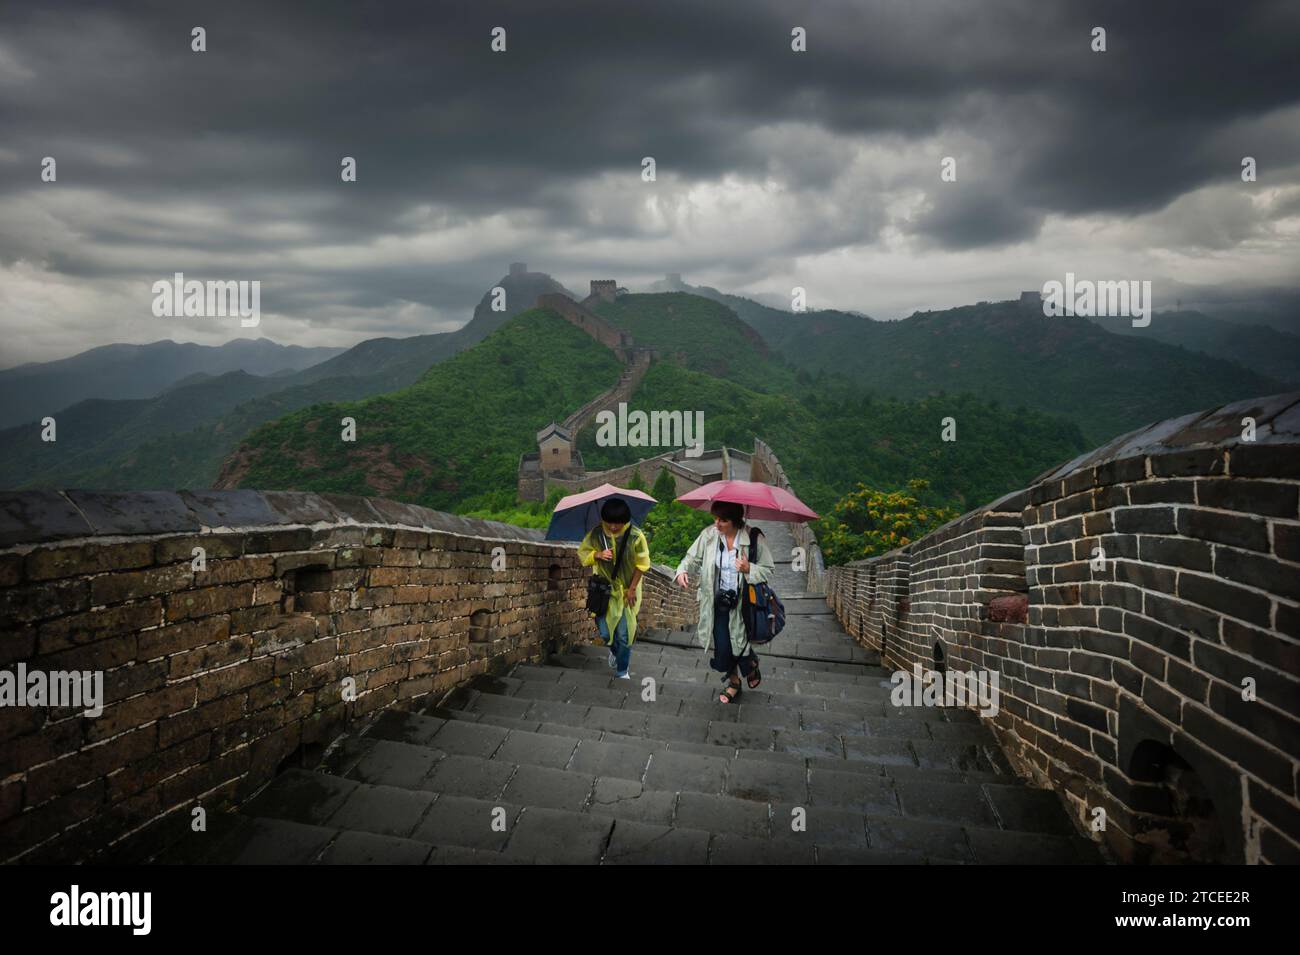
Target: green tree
665, 488
868, 522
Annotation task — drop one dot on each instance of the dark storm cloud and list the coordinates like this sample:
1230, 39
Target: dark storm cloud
976, 218
257, 125
413, 91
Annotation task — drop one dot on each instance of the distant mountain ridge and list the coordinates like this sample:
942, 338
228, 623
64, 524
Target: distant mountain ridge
1108, 380
31, 391
404, 360
1101, 382
455, 437
1263, 348
179, 437
460, 426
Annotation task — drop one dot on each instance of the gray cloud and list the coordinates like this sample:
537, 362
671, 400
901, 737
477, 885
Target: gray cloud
226, 163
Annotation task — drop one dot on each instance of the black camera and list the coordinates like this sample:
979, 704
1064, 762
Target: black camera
726, 599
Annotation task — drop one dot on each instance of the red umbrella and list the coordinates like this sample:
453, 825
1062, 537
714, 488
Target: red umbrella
763, 502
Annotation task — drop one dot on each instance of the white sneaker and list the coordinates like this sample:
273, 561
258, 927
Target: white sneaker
624, 676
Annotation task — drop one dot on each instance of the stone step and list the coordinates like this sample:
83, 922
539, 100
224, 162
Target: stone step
545, 815
789, 676
894, 756
648, 657
403, 750
519, 696
592, 668
810, 638
791, 682
547, 694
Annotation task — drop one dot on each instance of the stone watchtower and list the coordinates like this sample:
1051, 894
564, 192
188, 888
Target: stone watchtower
518, 268
605, 289
554, 448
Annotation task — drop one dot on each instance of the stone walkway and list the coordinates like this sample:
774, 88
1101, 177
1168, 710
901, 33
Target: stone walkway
560, 763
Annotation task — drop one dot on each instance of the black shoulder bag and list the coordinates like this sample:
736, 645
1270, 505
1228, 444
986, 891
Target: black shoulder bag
599, 589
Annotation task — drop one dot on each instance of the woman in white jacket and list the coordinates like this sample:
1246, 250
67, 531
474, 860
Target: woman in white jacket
720, 558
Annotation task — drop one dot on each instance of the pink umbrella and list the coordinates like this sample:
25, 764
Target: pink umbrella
763, 502
578, 513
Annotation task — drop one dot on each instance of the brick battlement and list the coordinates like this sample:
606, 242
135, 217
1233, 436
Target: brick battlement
1122, 679
308, 613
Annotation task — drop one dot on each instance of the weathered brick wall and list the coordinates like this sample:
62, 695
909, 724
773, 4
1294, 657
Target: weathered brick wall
1121, 669
664, 605
648, 468
588, 321
214, 677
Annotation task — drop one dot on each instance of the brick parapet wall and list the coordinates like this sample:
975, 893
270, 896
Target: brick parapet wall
648, 468
1117, 674
587, 320
214, 677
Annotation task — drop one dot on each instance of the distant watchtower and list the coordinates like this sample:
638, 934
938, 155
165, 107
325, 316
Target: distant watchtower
605, 289
518, 268
555, 448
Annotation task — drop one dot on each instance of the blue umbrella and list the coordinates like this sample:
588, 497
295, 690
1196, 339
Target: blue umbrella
578, 513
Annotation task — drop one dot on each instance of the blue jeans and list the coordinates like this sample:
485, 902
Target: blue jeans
622, 649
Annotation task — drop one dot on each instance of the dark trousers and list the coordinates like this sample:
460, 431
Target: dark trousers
724, 661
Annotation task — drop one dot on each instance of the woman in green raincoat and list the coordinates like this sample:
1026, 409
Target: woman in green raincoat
719, 557
618, 551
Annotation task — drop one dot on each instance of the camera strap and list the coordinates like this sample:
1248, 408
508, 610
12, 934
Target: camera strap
717, 577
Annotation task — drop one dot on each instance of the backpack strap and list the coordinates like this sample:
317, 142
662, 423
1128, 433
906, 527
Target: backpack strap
620, 550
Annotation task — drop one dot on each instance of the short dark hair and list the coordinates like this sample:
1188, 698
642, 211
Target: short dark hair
729, 511
616, 511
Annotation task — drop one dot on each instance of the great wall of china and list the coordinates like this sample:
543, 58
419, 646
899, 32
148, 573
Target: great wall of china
1140, 605
1156, 679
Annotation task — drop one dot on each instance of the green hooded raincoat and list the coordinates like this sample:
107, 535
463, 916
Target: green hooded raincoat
638, 559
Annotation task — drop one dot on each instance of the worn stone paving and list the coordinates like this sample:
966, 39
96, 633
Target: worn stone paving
561, 763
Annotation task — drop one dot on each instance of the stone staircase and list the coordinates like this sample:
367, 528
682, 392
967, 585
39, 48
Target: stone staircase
560, 763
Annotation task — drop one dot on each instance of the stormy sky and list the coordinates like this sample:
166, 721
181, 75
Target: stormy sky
774, 168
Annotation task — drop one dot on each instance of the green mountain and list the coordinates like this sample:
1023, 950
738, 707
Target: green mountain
401, 361
1106, 383
1259, 347
454, 438
179, 438
457, 431
829, 438
695, 333
841, 397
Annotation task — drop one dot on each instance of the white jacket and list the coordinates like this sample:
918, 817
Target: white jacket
701, 563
